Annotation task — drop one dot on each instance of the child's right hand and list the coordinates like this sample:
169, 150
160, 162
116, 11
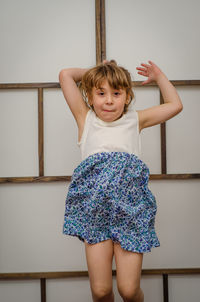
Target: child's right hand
109, 62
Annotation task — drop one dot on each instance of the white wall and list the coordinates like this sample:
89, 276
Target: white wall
38, 39
159, 30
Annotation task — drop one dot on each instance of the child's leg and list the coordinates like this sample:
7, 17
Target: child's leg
128, 267
99, 260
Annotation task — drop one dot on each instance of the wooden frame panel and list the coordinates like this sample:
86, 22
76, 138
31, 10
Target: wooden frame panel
41, 178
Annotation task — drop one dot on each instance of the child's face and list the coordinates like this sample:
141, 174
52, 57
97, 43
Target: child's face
108, 103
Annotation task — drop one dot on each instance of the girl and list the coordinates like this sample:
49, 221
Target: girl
109, 205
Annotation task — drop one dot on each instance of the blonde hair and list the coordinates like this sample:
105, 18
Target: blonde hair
118, 78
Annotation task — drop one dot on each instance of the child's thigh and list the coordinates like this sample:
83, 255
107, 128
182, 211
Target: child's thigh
128, 267
99, 258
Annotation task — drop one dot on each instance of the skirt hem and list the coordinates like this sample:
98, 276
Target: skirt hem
103, 238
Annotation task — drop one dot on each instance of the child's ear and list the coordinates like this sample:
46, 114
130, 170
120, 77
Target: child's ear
90, 99
128, 99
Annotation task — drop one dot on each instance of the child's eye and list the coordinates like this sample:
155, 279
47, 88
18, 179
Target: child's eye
117, 93
101, 93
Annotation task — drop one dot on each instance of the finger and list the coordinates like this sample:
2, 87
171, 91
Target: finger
145, 65
142, 73
141, 69
105, 61
145, 82
152, 64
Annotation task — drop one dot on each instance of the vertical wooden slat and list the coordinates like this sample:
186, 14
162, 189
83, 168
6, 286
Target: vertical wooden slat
103, 31
100, 31
163, 143
43, 289
40, 132
165, 288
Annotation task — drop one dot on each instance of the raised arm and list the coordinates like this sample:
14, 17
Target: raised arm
172, 103
68, 79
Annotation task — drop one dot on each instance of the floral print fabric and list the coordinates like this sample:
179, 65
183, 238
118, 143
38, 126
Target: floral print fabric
109, 198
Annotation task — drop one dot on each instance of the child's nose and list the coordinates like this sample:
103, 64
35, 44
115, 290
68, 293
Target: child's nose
109, 99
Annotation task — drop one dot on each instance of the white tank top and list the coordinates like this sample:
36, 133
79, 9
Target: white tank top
121, 135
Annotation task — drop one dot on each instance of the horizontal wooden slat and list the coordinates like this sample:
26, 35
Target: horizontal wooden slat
174, 82
40, 275
34, 179
57, 85
71, 274
68, 178
172, 271
29, 85
174, 176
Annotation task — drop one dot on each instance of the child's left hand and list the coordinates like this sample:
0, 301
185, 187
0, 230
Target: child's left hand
151, 70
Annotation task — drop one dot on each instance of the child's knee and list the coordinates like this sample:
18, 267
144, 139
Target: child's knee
131, 293
101, 292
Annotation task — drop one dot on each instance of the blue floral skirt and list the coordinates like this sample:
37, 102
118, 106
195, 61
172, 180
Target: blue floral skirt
109, 198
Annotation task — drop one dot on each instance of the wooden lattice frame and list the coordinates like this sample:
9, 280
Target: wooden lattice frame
100, 56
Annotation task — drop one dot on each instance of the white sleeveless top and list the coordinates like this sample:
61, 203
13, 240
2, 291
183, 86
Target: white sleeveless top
121, 135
